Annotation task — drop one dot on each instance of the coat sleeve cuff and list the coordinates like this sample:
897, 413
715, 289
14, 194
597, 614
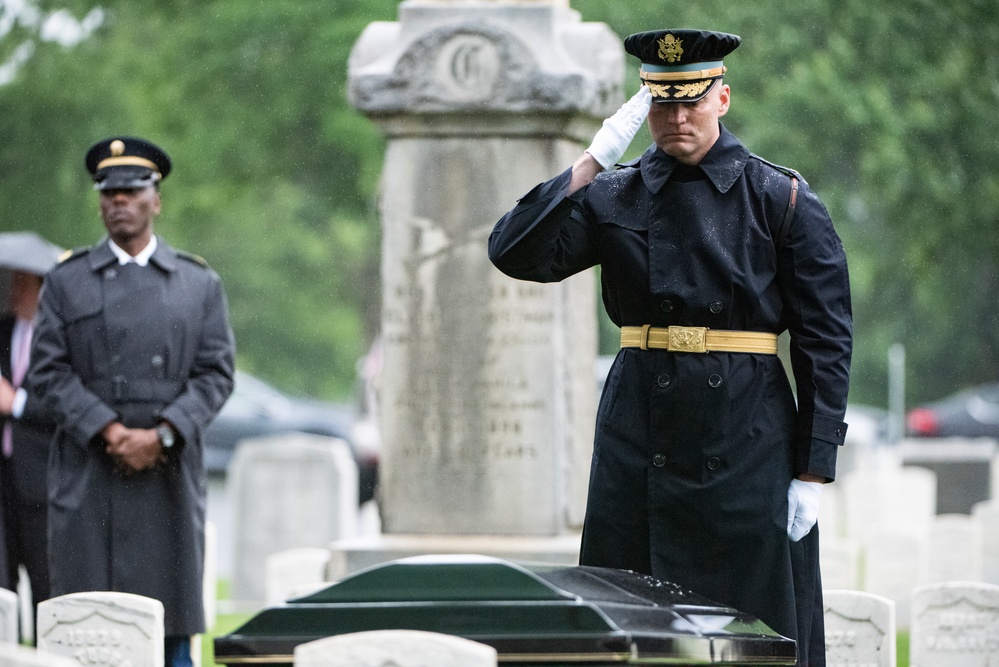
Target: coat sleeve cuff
817, 445
92, 422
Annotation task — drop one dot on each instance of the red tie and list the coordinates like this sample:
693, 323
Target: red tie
21, 356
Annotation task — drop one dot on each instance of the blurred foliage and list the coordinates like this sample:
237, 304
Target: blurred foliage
886, 109
275, 174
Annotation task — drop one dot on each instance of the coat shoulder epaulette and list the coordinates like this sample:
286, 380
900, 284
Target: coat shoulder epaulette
634, 164
779, 167
191, 257
70, 255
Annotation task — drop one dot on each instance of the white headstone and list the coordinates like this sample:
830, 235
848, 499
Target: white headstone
13, 655
103, 628
26, 607
839, 559
894, 564
394, 648
955, 624
987, 516
9, 612
295, 572
831, 512
896, 498
860, 629
953, 549
289, 491
210, 580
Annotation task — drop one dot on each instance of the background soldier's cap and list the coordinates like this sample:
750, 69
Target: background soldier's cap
126, 163
680, 65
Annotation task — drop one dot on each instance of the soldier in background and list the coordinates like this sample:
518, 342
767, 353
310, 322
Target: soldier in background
134, 356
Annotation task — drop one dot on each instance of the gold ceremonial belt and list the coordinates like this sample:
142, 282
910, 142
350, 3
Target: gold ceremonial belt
698, 339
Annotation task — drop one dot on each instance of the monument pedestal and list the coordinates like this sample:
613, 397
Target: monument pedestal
487, 398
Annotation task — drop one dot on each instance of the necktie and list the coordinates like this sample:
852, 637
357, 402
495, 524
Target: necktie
20, 358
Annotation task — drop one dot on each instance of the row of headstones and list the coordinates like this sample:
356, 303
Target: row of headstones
954, 624
882, 535
883, 491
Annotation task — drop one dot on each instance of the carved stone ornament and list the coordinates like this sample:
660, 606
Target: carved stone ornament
467, 66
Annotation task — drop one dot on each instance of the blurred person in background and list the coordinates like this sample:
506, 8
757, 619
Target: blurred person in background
27, 434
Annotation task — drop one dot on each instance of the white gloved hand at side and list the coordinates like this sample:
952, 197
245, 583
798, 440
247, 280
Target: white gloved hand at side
802, 508
613, 139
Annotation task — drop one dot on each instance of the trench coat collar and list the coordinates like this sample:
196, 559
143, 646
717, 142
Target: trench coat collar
723, 164
101, 256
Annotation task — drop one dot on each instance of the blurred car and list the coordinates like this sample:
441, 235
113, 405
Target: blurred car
971, 413
255, 409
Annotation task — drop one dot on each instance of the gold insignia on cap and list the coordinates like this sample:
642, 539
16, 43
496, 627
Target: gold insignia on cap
670, 49
117, 147
692, 89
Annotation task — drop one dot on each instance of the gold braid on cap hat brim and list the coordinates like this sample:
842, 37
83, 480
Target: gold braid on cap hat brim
683, 76
128, 160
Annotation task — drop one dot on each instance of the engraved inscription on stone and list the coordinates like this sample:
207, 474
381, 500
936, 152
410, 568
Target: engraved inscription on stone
103, 629
955, 624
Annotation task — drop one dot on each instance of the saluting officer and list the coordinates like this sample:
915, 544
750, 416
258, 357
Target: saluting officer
134, 356
705, 471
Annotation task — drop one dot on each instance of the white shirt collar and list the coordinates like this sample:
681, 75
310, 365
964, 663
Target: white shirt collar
142, 259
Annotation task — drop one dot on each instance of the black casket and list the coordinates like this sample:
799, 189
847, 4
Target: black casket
532, 614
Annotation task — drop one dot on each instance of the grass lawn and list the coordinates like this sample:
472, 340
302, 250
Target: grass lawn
225, 624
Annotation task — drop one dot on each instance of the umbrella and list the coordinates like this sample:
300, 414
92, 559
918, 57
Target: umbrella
27, 251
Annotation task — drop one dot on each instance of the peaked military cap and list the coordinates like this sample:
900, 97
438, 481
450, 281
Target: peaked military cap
126, 163
680, 65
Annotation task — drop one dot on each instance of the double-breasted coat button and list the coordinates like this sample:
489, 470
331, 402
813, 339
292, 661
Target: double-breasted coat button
156, 361
715, 306
110, 273
667, 306
664, 380
715, 380
714, 463
659, 460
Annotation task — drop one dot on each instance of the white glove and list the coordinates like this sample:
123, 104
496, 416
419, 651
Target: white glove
802, 508
613, 139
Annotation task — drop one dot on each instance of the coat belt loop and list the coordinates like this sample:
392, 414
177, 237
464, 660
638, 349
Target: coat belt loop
644, 342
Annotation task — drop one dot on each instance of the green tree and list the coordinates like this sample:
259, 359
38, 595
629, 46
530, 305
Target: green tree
274, 173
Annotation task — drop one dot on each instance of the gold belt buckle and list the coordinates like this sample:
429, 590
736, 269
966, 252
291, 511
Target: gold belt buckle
688, 339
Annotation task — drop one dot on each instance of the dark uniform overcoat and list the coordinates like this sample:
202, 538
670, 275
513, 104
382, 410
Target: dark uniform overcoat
694, 453
139, 345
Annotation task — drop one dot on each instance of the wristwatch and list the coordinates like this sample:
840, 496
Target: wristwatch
166, 435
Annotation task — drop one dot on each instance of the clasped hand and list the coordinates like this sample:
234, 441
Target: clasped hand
133, 449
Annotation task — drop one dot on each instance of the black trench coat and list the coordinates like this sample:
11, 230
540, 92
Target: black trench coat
694, 453
135, 344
